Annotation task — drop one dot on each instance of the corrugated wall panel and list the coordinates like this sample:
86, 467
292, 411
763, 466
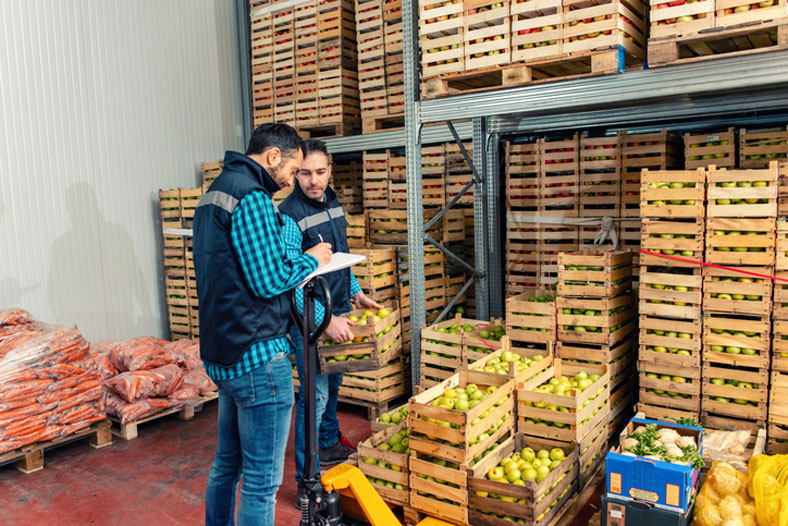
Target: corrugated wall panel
101, 105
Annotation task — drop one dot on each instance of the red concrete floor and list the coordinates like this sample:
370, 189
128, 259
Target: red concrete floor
156, 480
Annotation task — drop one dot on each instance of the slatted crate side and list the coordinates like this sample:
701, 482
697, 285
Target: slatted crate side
672, 193
740, 241
559, 178
522, 378
618, 356
532, 503
671, 292
780, 304
435, 498
170, 205
737, 341
734, 401
671, 342
378, 270
586, 408
737, 12
759, 148
433, 193
665, 386
486, 33
537, 29
592, 267
663, 412
600, 175
672, 237
394, 466
605, 24
441, 37
374, 391
742, 193
681, 19
608, 323
778, 439
655, 151
718, 149
781, 248
730, 292
622, 401
531, 321
522, 175
780, 345
592, 452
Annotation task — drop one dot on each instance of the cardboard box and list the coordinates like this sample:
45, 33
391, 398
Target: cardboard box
663, 484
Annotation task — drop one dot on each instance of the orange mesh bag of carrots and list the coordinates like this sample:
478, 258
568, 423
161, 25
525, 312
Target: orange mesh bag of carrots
132, 412
141, 353
159, 382
49, 386
101, 355
189, 352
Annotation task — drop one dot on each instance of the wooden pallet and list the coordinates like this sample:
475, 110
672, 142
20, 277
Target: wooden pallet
383, 122
320, 131
718, 42
128, 431
565, 67
374, 409
30, 459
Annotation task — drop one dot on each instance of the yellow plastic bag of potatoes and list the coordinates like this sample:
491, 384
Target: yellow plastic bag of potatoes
769, 488
724, 500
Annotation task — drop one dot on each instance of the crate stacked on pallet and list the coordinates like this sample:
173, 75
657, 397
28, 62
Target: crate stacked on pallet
758, 148
458, 173
559, 176
377, 274
284, 72
706, 149
375, 174
604, 25
669, 360
522, 255
433, 169
434, 286
600, 176
440, 37
778, 428
395, 65
523, 166
596, 321
386, 465
470, 254
570, 404
531, 319
390, 227
306, 60
262, 40
486, 33
447, 437
177, 212
346, 180
782, 192
737, 306
537, 30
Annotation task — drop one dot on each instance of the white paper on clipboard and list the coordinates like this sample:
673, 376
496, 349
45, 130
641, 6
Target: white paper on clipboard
339, 260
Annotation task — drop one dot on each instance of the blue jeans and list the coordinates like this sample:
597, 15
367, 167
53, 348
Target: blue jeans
254, 424
326, 393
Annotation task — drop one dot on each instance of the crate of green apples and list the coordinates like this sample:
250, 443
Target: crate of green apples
710, 148
673, 193
569, 402
758, 148
526, 480
740, 241
670, 341
665, 386
672, 237
594, 274
734, 393
742, 193
383, 458
672, 292
530, 317
731, 292
376, 341
737, 340
602, 321
390, 418
780, 346
520, 364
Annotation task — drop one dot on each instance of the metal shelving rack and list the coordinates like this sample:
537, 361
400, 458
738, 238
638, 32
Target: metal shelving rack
699, 92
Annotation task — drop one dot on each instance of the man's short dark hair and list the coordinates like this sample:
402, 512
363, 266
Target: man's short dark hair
315, 146
275, 135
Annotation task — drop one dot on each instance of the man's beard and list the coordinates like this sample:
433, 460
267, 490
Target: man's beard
275, 172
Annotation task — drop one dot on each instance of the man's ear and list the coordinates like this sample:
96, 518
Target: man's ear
273, 156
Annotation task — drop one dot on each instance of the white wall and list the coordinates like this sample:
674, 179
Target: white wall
102, 103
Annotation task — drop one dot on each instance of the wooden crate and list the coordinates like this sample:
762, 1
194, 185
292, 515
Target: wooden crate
681, 19
210, 171
732, 193
609, 323
778, 439
780, 305
655, 151
530, 321
742, 12
722, 333
531, 503
368, 449
605, 24
438, 499
672, 193
374, 344
740, 241
375, 180
523, 377
553, 241
522, 255
356, 230
730, 292
537, 30
559, 178
592, 453
431, 438
622, 402
376, 388
594, 274
671, 292
781, 260
441, 37
617, 356
379, 269
433, 193
716, 413
522, 176
390, 227
705, 149
586, 408
780, 346
486, 33
170, 205
659, 387
670, 342
672, 237
759, 148
600, 176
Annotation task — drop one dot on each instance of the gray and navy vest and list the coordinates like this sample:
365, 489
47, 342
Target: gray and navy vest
324, 219
232, 318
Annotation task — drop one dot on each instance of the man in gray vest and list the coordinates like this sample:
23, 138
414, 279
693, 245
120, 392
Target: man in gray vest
313, 215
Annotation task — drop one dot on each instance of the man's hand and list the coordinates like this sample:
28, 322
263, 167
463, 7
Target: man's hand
339, 329
321, 251
365, 302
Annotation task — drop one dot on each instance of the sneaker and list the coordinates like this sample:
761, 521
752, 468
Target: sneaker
334, 454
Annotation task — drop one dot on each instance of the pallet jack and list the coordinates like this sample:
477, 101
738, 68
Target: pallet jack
320, 502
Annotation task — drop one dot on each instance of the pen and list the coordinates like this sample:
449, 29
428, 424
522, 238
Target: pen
321, 238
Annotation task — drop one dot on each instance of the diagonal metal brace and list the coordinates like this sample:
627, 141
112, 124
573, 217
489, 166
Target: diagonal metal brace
476, 177
454, 300
449, 254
